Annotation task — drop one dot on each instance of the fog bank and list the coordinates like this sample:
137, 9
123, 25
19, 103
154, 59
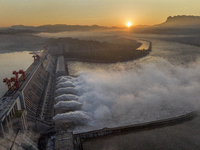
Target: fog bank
118, 98
155, 91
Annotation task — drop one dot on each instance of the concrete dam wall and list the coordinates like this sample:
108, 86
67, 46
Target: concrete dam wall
34, 92
27, 103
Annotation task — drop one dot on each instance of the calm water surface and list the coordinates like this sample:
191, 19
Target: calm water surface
10, 62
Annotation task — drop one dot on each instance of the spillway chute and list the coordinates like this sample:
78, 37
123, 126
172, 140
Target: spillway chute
66, 77
62, 80
66, 90
67, 104
66, 97
65, 84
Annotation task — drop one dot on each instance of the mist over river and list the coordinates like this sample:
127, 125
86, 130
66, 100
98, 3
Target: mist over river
175, 53
161, 85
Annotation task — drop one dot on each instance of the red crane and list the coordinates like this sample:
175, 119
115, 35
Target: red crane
16, 84
16, 80
23, 74
16, 74
8, 83
36, 56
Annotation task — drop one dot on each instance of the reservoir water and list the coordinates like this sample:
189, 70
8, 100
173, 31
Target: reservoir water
10, 62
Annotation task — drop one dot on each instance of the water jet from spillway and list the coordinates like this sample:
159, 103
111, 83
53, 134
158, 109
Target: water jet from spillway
65, 84
64, 77
67, 104
66, 97
78, 117
66, 90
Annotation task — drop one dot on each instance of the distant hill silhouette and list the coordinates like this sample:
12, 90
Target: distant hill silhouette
185, 25
63, 27
180, 24
182, 21
51, 28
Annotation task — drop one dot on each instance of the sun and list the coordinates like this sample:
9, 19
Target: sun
128, 24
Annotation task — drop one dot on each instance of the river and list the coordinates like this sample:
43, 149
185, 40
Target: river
165, 83
173, 52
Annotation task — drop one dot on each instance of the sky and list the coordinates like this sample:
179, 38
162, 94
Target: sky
90, 12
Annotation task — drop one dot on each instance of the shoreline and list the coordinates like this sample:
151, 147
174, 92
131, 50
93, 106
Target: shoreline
103, 61
136, 54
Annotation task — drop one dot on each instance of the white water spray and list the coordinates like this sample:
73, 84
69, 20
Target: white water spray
66, 97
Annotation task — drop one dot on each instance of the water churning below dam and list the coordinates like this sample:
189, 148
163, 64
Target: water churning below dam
110, 99
106, 96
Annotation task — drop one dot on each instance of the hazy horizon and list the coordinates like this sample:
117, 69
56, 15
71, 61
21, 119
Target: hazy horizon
103, 13
177, 20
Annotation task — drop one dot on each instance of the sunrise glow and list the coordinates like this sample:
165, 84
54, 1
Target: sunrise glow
128, 24
144, 12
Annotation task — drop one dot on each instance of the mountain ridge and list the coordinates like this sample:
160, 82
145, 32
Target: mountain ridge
181, 21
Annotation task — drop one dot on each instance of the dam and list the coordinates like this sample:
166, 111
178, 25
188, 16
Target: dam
30, 108
28, 100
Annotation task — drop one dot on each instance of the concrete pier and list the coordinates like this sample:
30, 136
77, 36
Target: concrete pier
61, 67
